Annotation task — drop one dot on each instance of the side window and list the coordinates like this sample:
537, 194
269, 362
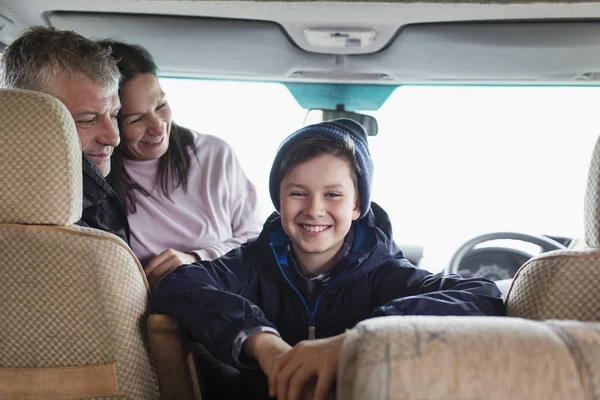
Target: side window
253, 117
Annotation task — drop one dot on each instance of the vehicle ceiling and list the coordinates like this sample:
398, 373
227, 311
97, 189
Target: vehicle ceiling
522, 42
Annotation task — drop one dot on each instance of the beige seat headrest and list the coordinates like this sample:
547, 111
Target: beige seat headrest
592, 200
40, 160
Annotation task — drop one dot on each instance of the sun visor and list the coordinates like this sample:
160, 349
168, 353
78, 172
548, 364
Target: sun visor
203, 47
525, 52
505, 51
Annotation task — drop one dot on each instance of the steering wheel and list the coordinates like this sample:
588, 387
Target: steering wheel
463, 251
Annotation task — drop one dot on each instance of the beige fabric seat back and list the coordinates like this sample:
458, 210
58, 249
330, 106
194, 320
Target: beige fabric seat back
73, 300
564, 284
492, 358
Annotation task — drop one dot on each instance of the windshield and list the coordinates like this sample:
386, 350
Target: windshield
451, 162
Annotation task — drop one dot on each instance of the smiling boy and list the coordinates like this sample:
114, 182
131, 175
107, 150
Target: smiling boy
325, 261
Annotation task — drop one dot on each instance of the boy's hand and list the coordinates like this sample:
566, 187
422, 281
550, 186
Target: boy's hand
292, 371
265, 348
165, 263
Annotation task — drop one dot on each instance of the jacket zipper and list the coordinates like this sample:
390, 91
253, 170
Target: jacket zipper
311, 314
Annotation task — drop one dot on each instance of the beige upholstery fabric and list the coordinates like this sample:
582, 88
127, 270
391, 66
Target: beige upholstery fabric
557, 285
74, 296
583, 341
469, 358
592, 200
72, 299
40, 160
59, 383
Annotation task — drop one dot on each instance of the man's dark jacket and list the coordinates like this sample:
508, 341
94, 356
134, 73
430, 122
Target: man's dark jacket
251, 286
102, 209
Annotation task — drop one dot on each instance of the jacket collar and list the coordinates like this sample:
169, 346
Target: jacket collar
90, 169
370, 242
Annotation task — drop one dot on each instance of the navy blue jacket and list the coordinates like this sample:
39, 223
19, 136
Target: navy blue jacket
102, 208
250, 287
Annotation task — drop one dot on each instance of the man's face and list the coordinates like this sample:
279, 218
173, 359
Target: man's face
318, 205
94, 108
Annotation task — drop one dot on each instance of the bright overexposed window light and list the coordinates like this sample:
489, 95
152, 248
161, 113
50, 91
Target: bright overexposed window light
451, 162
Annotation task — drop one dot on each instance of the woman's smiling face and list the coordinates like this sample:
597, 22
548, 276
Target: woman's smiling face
146, 118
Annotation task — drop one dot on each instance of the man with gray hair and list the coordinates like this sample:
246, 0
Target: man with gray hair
85, 78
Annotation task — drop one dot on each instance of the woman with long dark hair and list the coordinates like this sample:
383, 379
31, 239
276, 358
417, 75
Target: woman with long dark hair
185, 193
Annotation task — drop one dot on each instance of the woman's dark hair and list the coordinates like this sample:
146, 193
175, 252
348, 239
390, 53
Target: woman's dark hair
174, 165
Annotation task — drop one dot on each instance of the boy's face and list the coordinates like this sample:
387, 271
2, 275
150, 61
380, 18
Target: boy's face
318, 204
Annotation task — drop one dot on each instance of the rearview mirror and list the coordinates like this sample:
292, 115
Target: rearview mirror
314, 116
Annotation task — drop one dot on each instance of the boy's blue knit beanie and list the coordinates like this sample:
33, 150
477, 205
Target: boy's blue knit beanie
337, 130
